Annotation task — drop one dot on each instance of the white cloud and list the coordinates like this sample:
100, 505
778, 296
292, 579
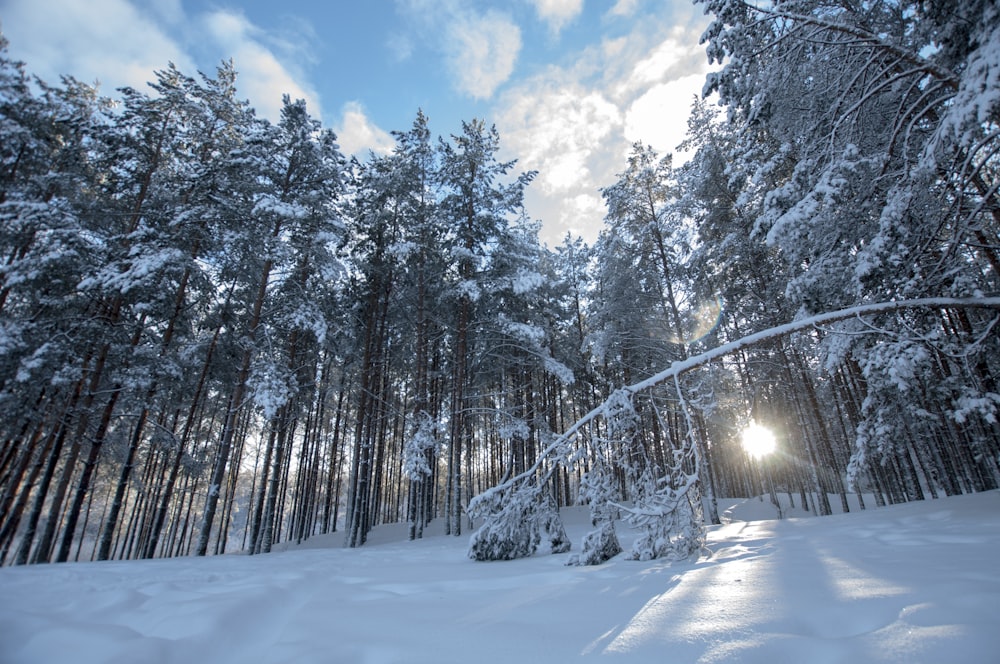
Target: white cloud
555, 129
612, 48
575, 125
624, 8
60, 37
356, 133
557, 13
673, 56
660, 88
659, 116
580, 214
170, 11
570, 134
479, 49
122, 42
481, 52
263, 78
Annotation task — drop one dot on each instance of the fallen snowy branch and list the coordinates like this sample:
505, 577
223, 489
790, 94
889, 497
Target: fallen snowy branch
684, 366
488, 505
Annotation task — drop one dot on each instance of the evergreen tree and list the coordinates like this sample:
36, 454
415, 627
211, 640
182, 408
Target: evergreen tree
477, 204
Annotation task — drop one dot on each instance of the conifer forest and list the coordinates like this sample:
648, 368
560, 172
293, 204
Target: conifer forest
219, 332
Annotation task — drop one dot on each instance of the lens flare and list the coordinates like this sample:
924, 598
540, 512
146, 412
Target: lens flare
758, 440
703, 320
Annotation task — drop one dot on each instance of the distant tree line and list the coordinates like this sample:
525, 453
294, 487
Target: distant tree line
218, 333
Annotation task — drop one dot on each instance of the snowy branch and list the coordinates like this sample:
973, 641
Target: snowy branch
866, 37
684, 366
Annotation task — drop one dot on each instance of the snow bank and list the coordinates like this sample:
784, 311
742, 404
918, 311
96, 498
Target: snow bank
910, 583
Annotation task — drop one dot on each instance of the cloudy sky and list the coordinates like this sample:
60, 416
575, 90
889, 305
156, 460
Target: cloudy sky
570, 84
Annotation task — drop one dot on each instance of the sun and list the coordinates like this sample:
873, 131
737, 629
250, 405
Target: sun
758, 440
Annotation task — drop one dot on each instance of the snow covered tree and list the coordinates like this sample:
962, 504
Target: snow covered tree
47, 184
880, 185
478, 204
515, 522
423, 263
668, 505
378, 216
419, 453
177, 142
598, 491
302, 171
647, 255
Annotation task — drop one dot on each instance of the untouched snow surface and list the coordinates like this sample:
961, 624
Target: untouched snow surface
910, 583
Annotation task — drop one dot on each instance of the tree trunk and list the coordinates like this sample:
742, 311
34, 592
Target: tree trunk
235, 405
159, 518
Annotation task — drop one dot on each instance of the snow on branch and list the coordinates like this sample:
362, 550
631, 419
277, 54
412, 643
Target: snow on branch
865, 36
681, 367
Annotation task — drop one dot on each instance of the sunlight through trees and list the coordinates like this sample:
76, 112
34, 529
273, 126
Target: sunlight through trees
219, 333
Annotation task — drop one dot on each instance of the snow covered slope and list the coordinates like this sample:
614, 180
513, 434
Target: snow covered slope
910, 583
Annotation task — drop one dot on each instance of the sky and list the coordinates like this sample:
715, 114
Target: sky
569, 84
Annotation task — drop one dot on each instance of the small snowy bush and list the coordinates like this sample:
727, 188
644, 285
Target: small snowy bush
515, 519
552, 526
598, 546
671, 522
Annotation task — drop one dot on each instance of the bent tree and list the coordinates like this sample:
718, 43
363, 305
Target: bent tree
666, 500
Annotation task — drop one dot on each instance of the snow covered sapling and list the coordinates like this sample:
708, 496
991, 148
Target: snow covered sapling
671, 517
601, 544
598, 487
422, 442
552, 526
598, 546
668, 509
516, 516
419, 453
509, 531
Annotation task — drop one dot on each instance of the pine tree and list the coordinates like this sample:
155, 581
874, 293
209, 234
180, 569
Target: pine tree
477, 203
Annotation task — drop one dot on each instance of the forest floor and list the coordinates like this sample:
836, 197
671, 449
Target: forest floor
910, 583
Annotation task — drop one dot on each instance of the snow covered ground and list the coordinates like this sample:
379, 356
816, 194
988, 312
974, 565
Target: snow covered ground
910, 583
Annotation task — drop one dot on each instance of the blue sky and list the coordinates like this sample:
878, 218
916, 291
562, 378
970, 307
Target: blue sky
570, 84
